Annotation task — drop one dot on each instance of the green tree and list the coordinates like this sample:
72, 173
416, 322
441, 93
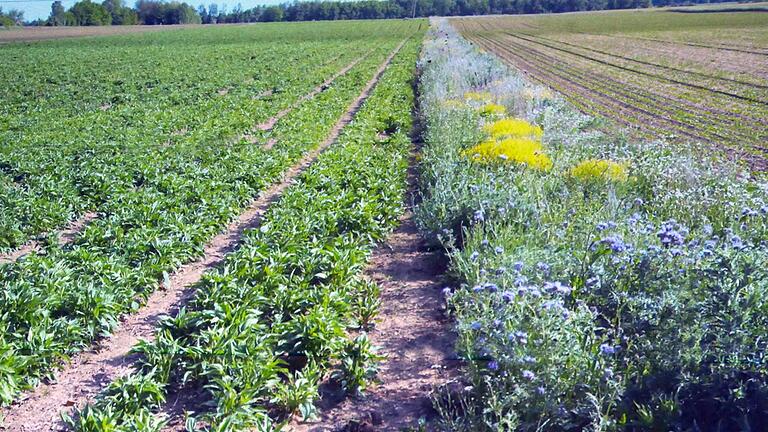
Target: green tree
272, 14
58, 12
87, 13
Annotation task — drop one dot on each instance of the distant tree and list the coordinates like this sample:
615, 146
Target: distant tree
213, 12
121, 15
153, 12
272, 14
57, 17
87, 13
11, 18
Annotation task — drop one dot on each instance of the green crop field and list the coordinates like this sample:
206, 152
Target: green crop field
477, 224
695, 76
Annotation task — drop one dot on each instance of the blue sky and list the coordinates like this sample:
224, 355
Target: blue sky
41, 9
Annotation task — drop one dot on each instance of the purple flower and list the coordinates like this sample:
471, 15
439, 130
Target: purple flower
499, 250
500, 271
478, 288
557, 287
543, 267
519, 336
606, 349
639, 202
474, 256
485, 242
508, 296
518, 266
493, 365
476, 325
540, 390
737, 243
490, 287
530, 376
479, 216
602, 226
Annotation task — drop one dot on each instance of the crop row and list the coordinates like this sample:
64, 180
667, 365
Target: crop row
178, 104
53, 305
265, 328
660, 64
688, 118
596, 101
749, 92
622, 287
664, 108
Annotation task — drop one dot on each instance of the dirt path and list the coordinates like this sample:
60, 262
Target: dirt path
413, 333
67, 235
92, 370
270, 123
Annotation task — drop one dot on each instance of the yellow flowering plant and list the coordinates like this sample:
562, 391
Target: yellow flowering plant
511, 128
524, 151
492, 110
600, 169
477, 96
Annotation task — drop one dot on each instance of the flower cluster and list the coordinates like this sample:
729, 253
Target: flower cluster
492, 110
513, 128
518, 150
600, 169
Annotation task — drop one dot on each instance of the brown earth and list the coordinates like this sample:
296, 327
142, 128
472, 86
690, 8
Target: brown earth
413, 334
29, 34
67, 235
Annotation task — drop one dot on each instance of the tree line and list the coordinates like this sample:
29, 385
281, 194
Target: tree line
155, 12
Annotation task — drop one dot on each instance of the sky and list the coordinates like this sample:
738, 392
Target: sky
35, 9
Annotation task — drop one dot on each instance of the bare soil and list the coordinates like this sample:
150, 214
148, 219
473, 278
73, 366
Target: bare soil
270, 123
89, 372
66, 236
414, 334
29, 34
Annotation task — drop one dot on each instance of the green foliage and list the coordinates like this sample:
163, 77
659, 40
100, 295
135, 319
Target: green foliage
359, 365
87, 13
162, 195
284, 295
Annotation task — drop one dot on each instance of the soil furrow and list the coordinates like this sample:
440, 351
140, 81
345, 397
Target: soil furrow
179, 403
649, 74
697, 115
571, 88
90, 371
270, 123
412, 332
630, 91
698, 45
66, 236
652, 64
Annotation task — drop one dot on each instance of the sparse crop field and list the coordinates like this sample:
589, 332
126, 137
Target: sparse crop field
701, 77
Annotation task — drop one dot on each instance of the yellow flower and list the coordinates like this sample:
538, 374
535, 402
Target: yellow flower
453, 104
493, 110
600, 169
518, 150
477, 96
512, 127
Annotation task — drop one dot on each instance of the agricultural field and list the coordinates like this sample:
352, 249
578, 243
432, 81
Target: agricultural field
466, 224
699, 77
152, 144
